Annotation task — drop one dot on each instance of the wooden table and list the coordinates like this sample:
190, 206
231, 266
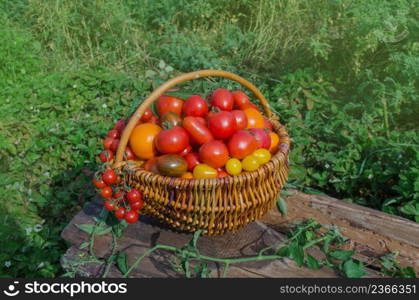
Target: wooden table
371, 233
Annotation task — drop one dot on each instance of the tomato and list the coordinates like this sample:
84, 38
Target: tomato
170, 119
120, 126
142, 140
171, 165
262, 137
222, 174
250, 105
99, 183
241, 119
254, 118
150, 165
114, 134
240, 99
233, 166
198, 131
114, 145
201, 120
187, 175
222, 125
262, 156
167, 103
204, 171
267, 124
134, 196
195, 106
110, 177
107, 142
120, 212
250, 163
119, 195
136, 205
223, 99
192, 159
214, 154
154, 120
274, 142
172, 140
148, 113
129, 154
106, 192
185, 151
109, 205
106, 155
131, 217
241, 144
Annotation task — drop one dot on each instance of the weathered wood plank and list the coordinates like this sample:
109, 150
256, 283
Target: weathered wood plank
141, 236
371, 232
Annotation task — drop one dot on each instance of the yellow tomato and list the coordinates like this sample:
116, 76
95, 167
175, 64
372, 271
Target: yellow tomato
204, 171
262, 155
233, 166
250, 163
142, 140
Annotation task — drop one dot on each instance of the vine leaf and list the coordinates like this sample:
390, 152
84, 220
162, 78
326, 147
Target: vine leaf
312, 263
84, 245
282, 206
90, 229
121, 262
341, 254
296, 253
353, 269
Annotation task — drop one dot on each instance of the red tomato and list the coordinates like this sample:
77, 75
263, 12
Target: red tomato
241, 144
148, 113
99, 183
110, 177
250, 105
106, 192
267, 124
222, 125
241, 119
192, 159
240, 99
171, 141
214, 153
120, 212
167, 103
114, 134
195, 106
136, 205
149, 164
185, 151
114, 145
222, 174
202, 120
119, 126
106, 155
107, 142
109, 205
129, 154
134, 196
198, 131
119, 195
263, 140
153, 120
223, 99
131, 217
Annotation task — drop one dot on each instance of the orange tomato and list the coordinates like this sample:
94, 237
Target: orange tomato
187, 175
142, 140
254, 118
274, 142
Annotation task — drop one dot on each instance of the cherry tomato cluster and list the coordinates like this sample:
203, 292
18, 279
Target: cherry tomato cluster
220, 136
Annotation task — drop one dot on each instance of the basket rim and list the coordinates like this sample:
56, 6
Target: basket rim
278, 160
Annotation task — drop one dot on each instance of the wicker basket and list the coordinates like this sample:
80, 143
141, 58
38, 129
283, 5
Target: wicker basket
215, 206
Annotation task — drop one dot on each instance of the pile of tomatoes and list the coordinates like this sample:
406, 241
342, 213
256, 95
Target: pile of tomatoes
197, 138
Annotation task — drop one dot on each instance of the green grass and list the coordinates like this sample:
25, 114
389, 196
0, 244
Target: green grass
343, 75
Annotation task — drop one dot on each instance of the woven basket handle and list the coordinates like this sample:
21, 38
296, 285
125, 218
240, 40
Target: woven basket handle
170, 84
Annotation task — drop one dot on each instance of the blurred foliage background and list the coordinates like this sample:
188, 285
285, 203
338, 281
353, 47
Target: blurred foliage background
342, 74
